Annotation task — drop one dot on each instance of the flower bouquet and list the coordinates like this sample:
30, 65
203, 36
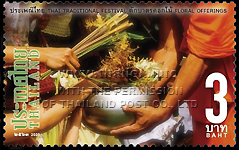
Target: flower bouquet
125, 80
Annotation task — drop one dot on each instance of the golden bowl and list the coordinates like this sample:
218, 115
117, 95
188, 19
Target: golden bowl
103, 111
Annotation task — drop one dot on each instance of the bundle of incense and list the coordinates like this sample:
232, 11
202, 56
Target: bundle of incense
106, 30
95, 31
100, 35
99, 39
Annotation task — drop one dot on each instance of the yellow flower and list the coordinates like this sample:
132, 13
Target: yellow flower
123, 43
97, 23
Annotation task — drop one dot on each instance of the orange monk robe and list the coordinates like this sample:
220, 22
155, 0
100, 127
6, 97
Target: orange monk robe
211, 36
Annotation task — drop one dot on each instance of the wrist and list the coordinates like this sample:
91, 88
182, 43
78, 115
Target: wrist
33, 58
163, 112
75, 124
43, 56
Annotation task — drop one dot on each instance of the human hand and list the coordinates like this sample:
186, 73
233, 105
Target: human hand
146, 118
59, 58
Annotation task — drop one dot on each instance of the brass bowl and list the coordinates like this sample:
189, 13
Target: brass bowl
103, 112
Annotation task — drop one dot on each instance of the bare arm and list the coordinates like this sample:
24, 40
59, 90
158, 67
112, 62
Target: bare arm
170, 40
75, 124
189, 76
54, 58
168, 53
191, 73
49, 115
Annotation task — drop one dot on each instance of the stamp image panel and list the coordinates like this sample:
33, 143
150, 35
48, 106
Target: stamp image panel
119, 74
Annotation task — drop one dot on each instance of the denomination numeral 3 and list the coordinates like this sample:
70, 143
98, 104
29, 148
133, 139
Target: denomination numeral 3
217, 97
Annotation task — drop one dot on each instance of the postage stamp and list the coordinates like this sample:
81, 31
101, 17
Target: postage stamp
119, 74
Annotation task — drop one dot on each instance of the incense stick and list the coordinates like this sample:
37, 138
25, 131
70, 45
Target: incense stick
123, 26
108, 27
97, 36
96, 30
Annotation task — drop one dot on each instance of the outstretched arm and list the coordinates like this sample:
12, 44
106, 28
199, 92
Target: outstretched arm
51, 112
167, 53
170, 40
75, 124
189, 76
54, 58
